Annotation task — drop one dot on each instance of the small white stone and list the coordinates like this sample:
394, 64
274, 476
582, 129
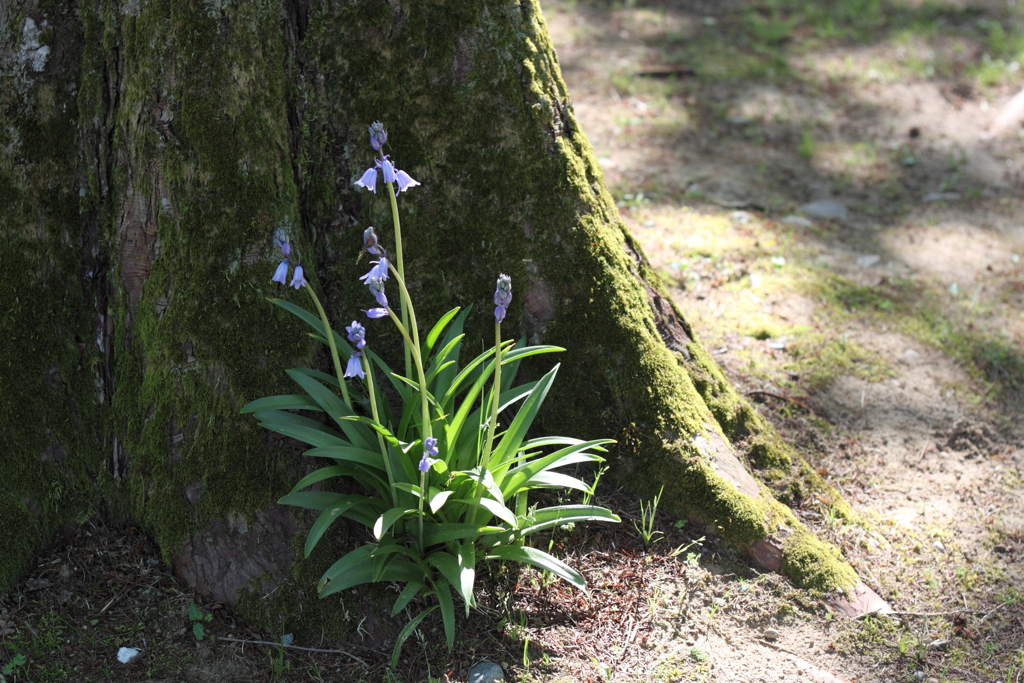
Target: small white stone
127, 654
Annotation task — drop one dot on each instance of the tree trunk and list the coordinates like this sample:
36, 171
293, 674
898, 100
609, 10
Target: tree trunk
151, 149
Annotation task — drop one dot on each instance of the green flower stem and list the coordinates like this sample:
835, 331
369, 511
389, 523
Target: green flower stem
485, 456
412, 348
329, 333
485, 460
397, 222
415, 347
426, 413
370, 388
423, 494
521, 509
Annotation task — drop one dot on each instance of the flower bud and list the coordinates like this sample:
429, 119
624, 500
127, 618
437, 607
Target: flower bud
356, 334
378, 136
502, 296
370, 240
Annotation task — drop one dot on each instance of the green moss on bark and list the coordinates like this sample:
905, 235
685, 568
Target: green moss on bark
477, 111
205, 134
219, 124
50, 420
811, 563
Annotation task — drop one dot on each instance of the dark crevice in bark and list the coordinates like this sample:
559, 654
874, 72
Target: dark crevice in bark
672, 328
296, 21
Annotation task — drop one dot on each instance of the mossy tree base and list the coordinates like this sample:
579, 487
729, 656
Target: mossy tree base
196, 130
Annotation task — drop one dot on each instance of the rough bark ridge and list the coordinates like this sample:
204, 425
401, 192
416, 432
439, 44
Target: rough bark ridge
151, 156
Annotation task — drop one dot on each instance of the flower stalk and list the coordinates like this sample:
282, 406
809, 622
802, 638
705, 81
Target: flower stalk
413, 346
370, 384
334, 347
397, 222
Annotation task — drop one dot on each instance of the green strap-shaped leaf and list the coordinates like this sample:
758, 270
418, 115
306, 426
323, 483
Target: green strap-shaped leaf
363, 456
522, 352
542, 441
467, 573
494, 507
356, 568
341, 504
438, 499
388, 519
381, 562
301, 428
466, 438
414, 489
321, 500
330, 380
513, 438
480, 475
403, 635
399, 570
435, 533
346, 563
518, 477
557, 480
401, 466
314, 500
569, 459
465, 374
414, 385
567, 514
284, 402
443, 381
333, 406
444, 599
448, 564
437, 330
510, 361
458, 569
445, 356
369, 477
317, 476
538, 558
405, 597
435, 372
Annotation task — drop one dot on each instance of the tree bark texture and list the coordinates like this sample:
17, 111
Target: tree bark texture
151, 149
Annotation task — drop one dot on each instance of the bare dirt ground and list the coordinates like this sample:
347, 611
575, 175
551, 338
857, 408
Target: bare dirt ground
886, 344
884, 340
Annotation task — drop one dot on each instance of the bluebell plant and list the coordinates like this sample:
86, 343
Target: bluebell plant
438, 471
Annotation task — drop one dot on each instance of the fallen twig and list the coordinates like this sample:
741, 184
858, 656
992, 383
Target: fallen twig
996, 609
293, 647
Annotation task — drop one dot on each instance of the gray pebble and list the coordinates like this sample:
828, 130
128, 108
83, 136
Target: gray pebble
797, 220
486, 672
941, 197
825, 208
